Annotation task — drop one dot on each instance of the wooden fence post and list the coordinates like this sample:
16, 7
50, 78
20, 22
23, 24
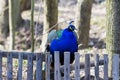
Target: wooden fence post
87, 66
77, 66
105, 66
9, 66
0, 65
47, 60
30, 67
115, 67
20, 61
57, 75
38, 66
96, 67
66, 65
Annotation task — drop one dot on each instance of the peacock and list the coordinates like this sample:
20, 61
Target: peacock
63, 40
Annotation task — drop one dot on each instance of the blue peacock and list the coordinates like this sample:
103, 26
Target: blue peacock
63, 40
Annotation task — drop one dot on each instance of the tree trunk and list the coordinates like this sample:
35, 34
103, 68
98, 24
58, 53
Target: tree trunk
32, 25
83, 20
4, 23
12, 22
50, 19
20, 6
25, 5
113, 30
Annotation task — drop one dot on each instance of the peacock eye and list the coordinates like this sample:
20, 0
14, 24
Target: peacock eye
71, 28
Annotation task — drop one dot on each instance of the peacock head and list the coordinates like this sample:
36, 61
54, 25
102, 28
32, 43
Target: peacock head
71, 27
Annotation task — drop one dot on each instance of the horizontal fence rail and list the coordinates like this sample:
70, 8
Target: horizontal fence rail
25, 54
35, 64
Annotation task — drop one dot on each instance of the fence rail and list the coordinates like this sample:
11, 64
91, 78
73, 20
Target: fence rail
38, 58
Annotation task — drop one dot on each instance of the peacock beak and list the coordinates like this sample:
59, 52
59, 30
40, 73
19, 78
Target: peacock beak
75, 28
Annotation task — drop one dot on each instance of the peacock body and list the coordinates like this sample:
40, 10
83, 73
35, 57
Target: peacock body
64, 40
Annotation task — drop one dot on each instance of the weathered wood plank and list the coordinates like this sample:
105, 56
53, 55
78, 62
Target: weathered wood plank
16, 54
66, 65
20, 62
82, 65
39, 66
96, 67
0, 66
115, 68
30, 67
9, 66
87, 66
105, 67
47, 60
77, 66
57, 75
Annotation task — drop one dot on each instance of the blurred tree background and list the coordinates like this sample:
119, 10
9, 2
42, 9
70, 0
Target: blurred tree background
55, 13
20, 6
89, 17
84, 8
50, 19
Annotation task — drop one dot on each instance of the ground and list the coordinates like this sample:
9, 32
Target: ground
66, 12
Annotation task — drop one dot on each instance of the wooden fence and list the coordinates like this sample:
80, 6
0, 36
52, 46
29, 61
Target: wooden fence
38, 58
